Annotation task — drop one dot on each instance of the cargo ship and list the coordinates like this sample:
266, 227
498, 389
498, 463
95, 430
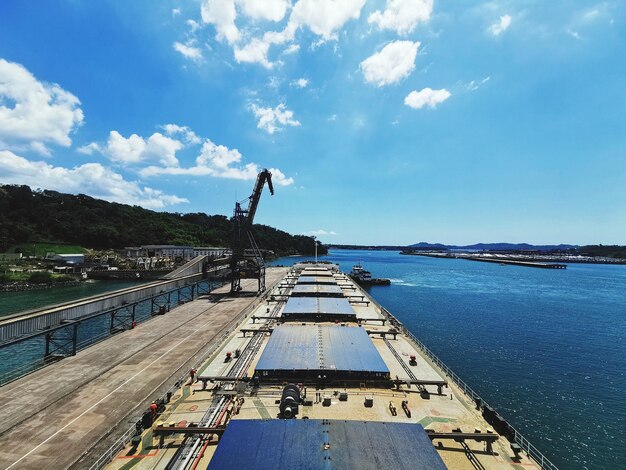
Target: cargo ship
364, 278
317, 375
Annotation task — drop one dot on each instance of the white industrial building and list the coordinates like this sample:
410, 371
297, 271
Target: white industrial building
174, 252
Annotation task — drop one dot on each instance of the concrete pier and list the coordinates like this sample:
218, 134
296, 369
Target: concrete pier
55, 416
528, 264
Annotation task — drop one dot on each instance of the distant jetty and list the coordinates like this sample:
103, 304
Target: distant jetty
495, 259
530, 264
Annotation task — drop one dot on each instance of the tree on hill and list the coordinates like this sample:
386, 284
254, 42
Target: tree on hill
28, 216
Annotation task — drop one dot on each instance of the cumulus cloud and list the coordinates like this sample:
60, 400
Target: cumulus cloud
33, 111
279, 178
323, 17
221, 162
159, 152
273, 119
502, 25
390, 65
426, 97
185, 132
402, 16
217, 156
300, 83
188, 50
90, 149
254, 52
91, 178
135, 149
221, 14
40, 148
272, 10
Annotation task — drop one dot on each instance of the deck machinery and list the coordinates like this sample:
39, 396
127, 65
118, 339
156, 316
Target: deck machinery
243, 263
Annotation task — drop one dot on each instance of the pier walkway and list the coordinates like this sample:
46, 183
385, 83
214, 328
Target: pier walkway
54, 416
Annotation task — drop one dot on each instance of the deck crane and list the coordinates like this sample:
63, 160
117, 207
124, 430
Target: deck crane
243, 266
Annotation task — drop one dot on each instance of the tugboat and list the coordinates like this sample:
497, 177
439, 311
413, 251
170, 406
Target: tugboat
364, 278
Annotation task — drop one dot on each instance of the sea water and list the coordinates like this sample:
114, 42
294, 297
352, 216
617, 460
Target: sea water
545, 347
15, 302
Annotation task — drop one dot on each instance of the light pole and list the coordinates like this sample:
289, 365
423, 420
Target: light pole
315, 242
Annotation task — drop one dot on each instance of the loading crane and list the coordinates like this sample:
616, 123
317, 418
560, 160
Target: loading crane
252, 266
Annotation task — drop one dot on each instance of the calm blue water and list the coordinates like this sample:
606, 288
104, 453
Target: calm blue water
14, 302
546, 348
28, 355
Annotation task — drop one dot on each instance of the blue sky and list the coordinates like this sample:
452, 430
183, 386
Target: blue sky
384, 122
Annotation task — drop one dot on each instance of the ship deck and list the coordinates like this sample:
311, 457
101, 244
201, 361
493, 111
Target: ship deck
187, 432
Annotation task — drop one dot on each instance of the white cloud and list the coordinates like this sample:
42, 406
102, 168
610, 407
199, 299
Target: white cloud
271, 119
176, 12
325, 17
187, 134
402, 15
300, 83
160, 150
89, 149
193, 25
35, 111
255, 51
279, 178
121, 149
390, 65
221, 162
426, 97
272, 10
320, 233
188, 50
91, 178
217, 156
222, 14
292, 49
40, 148
135, 149
499, 27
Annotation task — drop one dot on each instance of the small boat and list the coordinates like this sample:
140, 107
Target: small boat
364, 277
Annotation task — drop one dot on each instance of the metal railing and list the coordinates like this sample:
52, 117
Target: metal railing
96, 337
530, 450
121, 442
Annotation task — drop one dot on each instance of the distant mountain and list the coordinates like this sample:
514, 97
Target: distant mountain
493, 247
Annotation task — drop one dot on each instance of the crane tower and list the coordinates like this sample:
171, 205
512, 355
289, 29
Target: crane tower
248, 263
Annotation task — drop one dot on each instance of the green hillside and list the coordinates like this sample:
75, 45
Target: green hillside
30, 217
